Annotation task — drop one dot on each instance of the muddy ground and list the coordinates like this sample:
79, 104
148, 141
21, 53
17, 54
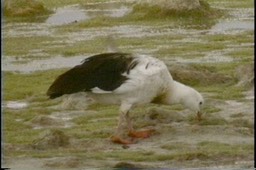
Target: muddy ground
72, 133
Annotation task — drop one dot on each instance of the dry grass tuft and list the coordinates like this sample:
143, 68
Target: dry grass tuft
191, 75
24, 8
175, 9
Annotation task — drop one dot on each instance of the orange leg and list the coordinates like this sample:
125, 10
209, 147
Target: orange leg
199, 116
123, 122
119, 140
141, 134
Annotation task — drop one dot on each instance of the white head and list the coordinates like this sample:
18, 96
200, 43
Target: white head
192, 100
187, 96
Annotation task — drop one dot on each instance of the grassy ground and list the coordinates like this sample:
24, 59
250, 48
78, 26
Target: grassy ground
224, 136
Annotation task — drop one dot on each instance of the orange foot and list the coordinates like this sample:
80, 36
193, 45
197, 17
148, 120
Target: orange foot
199, 116
141, 134
119, 140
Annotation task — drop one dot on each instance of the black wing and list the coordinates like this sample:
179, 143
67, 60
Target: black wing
103, 71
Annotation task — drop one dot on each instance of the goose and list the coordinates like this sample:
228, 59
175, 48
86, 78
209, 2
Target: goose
128, 80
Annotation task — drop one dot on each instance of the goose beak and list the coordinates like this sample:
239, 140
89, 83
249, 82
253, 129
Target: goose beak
199, 116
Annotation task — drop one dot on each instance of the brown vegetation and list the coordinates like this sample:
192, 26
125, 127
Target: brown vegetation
23, 8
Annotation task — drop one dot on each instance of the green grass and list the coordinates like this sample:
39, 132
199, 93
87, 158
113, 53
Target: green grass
226, 150
224, 92
12, 127
208, 119
180, 146
243, 37
92, 130
57, 3
245, 54
79, 48
25, 86
185, 50
20, 46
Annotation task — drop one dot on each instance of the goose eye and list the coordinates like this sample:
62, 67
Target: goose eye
200, 103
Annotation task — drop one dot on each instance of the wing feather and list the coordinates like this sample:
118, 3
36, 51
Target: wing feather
103, 71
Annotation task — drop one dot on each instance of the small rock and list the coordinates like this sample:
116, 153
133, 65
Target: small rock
51, 139
125, 165
125, 146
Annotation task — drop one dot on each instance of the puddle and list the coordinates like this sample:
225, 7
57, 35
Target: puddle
67, 15
232, 26
10, 63
74, 13
15, 105
40, 65
241, 20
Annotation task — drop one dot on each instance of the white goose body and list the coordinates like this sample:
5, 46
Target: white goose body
127, 80
149, 79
